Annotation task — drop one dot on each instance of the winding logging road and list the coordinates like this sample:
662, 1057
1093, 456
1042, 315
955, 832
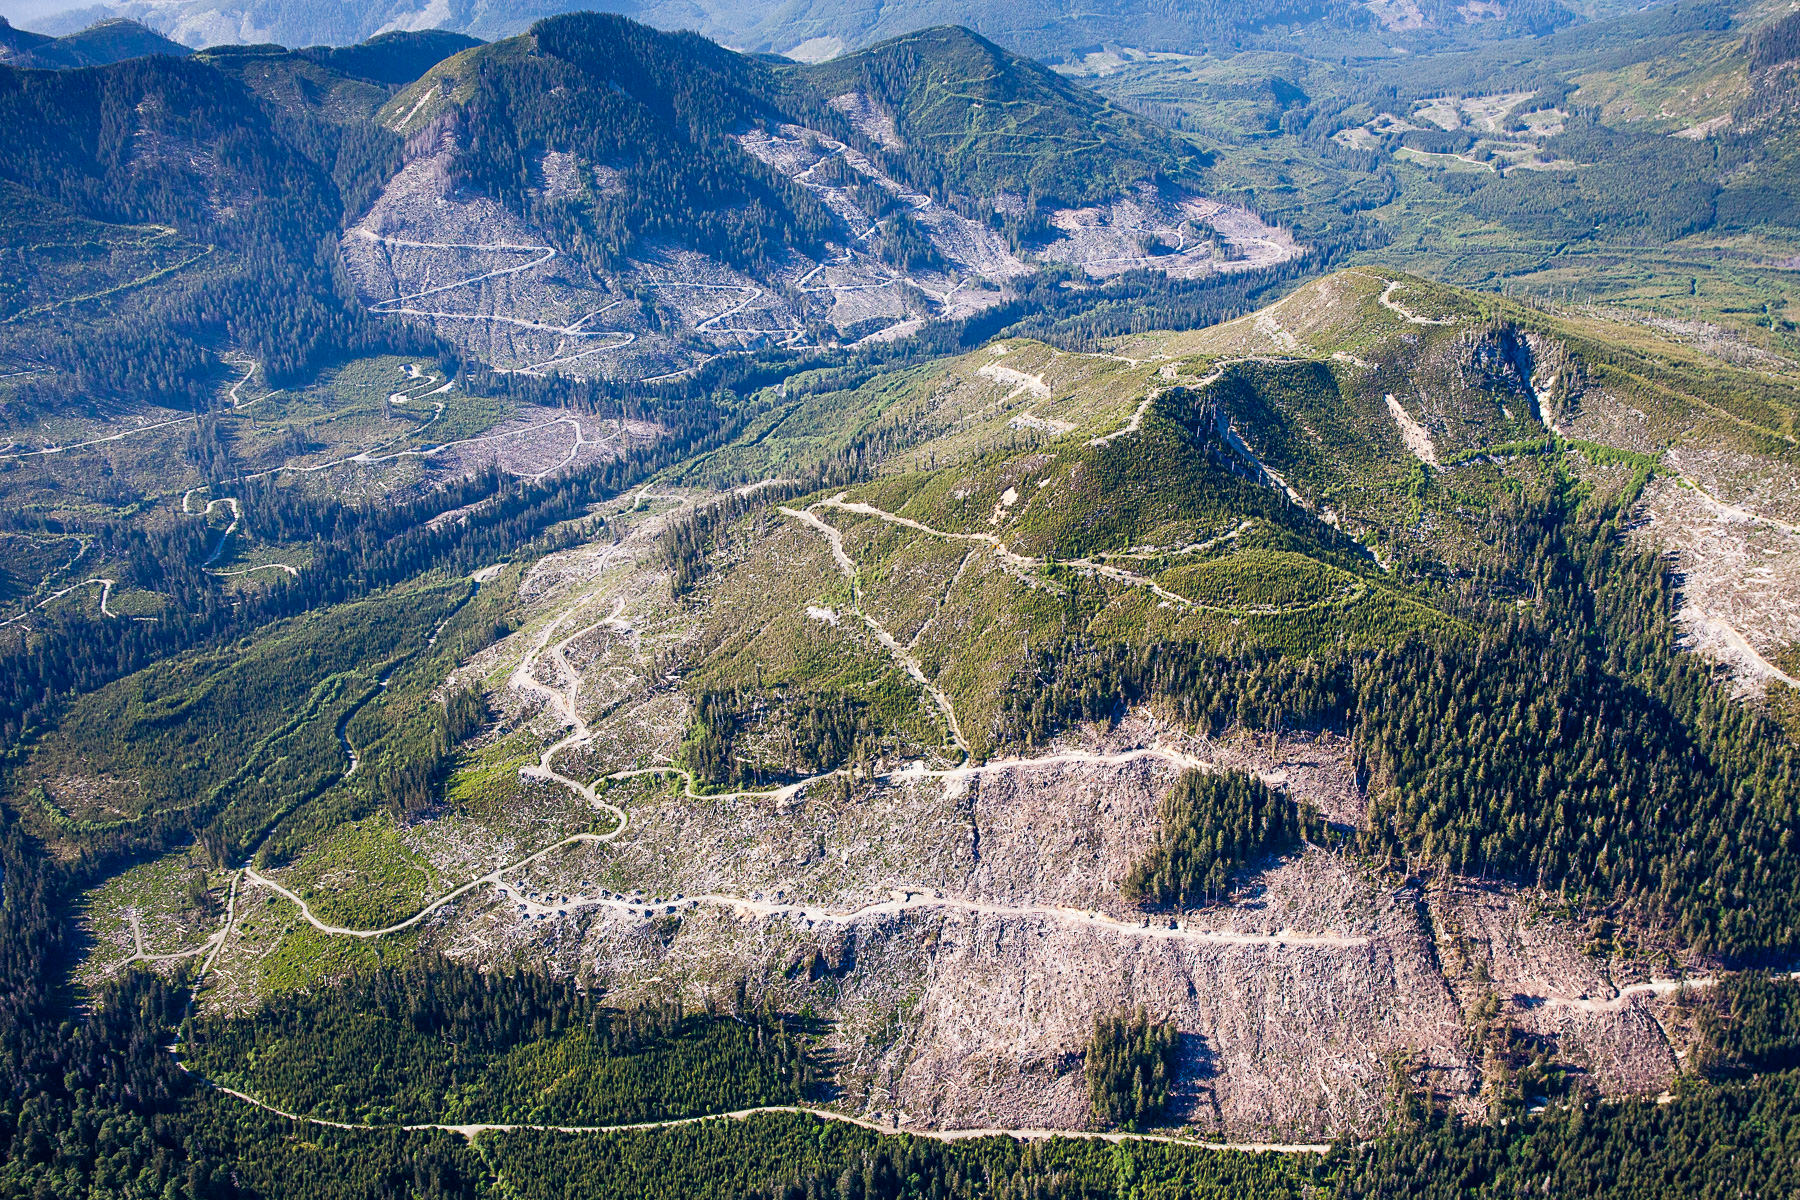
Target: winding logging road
564, 701
475, 1129
563, 698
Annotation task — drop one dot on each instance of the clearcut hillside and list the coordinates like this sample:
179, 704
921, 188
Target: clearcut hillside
597, 198
1319, 681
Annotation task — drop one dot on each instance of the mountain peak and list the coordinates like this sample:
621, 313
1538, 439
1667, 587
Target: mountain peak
111, 40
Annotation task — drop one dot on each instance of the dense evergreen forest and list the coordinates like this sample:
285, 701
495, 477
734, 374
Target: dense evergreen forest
1775, 43
1130, 1063
660, 107
1750, 1025
268, 197
391, 58
441, 1041
1578, 748
1716, 1142
1213, 826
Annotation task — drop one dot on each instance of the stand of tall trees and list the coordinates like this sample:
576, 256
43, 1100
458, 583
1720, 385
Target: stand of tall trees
1130, 1064
1213, 826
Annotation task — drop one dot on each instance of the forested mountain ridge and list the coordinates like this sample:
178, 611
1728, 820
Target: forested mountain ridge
344, 86
163, 210
548, 219
824, 27
917, 713
236, 202
975, 110
646, 105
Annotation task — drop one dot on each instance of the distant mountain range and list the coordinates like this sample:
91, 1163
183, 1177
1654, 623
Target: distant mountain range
692, 201
816, 29
109, 41
593, 198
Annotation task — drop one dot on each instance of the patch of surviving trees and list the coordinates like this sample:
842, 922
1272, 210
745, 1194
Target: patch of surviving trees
1212, 827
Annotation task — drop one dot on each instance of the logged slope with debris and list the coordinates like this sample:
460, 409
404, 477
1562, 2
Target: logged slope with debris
888, 746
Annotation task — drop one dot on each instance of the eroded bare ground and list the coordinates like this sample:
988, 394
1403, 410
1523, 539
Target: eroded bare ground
1180, 234
958, 926
537, 441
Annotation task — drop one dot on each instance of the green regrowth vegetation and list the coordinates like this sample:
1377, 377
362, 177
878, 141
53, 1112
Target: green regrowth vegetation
189, 728
1172, 482
1258, 578
1130, 1063
362, 874
434, 1041
1213, 828
301, 959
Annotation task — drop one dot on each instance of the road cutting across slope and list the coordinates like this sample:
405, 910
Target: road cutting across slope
542, 253
1026, 562
902, 899
565, 704
214, 942
1631, 991
1392, 305
106, 588
238, 404
101, 441
237, 516
273, 566
473, 1130
371, 457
